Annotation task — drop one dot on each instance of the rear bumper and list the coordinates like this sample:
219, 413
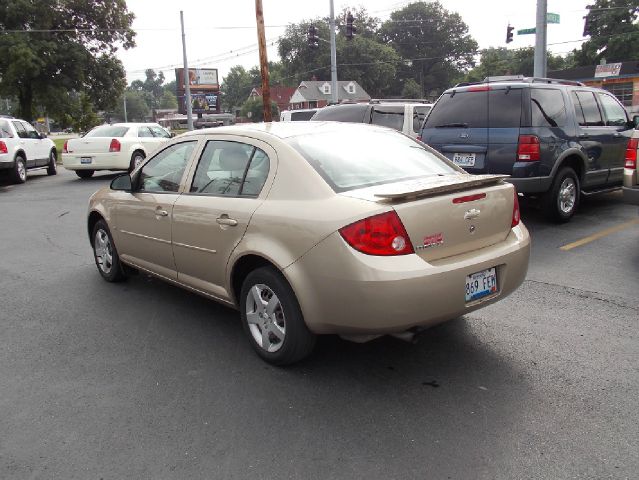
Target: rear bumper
6, 161
99, 161
631, 195
343, 291
630, 177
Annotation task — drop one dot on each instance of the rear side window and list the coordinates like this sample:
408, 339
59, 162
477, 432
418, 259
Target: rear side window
301, 116
22, 133
385, 116
477, 109
108, 131
547, 108
5, 129
615, 113
590, 116
345, 113
144, 132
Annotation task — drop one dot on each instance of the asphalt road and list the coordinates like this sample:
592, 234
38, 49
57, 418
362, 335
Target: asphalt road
144, 380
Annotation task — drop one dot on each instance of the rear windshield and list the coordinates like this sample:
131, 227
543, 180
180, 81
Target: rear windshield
347, 160
477, 109
388, 116
301, 116
342, 113
108, 131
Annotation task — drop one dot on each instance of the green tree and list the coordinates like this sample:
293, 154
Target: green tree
614, 33
137, 109
433, 42
168, 100
151, 88
411, 89
253, 109
72, 50
236, 87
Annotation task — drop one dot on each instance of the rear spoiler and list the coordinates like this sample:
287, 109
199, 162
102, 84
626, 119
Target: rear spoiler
432, 186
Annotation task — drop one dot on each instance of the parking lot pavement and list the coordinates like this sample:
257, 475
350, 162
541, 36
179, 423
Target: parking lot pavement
144, 380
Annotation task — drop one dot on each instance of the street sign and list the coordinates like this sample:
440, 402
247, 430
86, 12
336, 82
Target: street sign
552, 18
526, 31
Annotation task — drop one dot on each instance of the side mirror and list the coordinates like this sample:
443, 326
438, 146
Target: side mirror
172, 134
635, 121
122, 182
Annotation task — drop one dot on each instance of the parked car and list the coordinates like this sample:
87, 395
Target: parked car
297, 115
119, 146
404, 116
314, 228
22, 148
631, 169
557, 139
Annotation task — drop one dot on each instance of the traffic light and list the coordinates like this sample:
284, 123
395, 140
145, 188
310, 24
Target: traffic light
509, 34
586, 26
350, 28
312, 38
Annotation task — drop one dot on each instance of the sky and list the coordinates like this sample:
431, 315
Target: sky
221, 34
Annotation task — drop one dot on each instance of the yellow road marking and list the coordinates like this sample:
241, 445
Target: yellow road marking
598, 235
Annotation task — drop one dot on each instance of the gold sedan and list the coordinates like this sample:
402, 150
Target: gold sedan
314, 228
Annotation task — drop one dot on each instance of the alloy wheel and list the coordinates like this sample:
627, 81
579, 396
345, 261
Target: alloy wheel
567, 195
22, 170
103, 251
265, 317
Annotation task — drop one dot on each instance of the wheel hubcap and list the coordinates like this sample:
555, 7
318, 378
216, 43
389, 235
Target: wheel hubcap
137, 161
53, 161
265, 317
22, 171
567, 195
103, 251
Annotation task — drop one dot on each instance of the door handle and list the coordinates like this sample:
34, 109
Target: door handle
160, 212
225, 220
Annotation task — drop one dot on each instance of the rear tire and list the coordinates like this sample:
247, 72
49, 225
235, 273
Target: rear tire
84, 173
105, 254
19, 173
561, 201
52, 169
272, 318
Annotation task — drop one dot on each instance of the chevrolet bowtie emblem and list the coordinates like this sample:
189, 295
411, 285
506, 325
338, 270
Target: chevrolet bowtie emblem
472, 213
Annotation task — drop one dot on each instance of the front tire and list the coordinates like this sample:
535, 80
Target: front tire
84, 173
561, 201
105, 254
272, 318
136, 159
19, 174
52, 169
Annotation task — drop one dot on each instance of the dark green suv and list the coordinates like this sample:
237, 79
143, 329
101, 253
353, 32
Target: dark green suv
557, 139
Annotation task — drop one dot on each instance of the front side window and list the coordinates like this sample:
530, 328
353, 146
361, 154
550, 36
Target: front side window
615, 113
164, 171
22, 133
32, 133
392, 116
547, 107
590, 109
230, 169
159, 132
356, 158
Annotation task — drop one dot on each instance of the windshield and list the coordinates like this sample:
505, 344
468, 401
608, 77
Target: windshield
357, 158
108, 131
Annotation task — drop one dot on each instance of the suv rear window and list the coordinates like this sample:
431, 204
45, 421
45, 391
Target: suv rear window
547, 107
108, 131
477, 109
301, 116
342, 113
388, 116
348, 159
5, 129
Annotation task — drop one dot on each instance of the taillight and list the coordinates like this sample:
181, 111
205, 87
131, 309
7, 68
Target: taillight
3, 147
631, 153
516, 212
481, 88
382, 234
528, 148
115, 145
65, 148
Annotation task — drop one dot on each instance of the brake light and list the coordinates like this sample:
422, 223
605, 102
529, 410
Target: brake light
631, 153
469, 198
484, 88
528, 148
382, 234
3, 147
65, 148
516, 212
115, 145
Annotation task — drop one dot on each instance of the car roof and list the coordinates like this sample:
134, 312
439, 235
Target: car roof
130, 124
283, 129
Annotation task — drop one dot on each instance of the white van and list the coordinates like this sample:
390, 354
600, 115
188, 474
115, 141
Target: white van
297, 115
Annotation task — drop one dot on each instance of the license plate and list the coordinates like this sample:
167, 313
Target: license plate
464, 159
481, 284
85, 160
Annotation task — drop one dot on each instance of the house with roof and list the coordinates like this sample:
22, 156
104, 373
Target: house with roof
317, 94
279, 95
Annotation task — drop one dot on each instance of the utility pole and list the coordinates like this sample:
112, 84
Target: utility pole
261, 41
187, 87
540, 40
124, 99
334, 97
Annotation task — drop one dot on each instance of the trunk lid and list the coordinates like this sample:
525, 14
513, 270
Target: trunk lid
89, 145
448, 215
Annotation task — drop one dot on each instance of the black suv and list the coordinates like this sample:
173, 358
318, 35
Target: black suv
557, 139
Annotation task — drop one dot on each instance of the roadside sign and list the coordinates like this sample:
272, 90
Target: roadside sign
607, 70
526, 31
552, 18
